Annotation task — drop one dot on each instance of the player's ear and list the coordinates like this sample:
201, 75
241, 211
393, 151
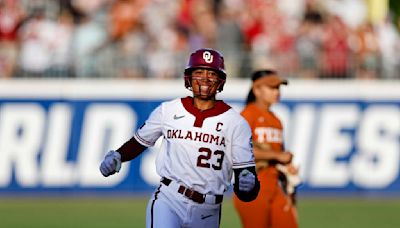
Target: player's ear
256, 91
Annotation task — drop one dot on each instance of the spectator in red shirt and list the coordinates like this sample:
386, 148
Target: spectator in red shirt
11, 17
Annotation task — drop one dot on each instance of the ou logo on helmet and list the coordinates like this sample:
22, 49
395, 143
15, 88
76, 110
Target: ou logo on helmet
208, 57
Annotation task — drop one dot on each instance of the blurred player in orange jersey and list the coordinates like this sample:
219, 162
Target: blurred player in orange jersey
274, 206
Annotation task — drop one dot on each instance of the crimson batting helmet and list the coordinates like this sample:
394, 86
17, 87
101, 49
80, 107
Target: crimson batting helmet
209, 59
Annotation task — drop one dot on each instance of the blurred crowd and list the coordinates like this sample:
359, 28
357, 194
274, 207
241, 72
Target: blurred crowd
339, 39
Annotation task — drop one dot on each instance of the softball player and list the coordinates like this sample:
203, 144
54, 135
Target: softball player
274, 206
204, 142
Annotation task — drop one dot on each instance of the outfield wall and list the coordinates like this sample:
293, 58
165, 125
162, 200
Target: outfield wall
53, 134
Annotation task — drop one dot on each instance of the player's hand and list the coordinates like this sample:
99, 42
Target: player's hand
247, 180
293, 170
111, 163
285, 158
291, 173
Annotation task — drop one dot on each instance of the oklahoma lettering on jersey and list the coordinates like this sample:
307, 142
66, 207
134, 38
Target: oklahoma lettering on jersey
196, 136
199, 148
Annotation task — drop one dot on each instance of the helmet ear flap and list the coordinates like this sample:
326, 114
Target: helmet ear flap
188, 84
221, 85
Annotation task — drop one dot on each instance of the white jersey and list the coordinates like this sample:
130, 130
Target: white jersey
199, 148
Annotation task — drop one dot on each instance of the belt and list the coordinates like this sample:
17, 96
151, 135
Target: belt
195, 195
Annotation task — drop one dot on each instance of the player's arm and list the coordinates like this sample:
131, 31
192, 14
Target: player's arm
130, 150
261, 154
246, 185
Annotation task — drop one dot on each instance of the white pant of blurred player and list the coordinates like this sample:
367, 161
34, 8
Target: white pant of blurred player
168, 208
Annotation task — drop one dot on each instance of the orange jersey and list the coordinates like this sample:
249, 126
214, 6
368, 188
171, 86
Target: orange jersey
267, 131
266, 127
271, 208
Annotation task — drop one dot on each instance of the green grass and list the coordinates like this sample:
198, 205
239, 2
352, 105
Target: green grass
130, 212
347, 213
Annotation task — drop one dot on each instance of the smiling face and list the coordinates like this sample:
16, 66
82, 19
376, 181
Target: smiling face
205, 83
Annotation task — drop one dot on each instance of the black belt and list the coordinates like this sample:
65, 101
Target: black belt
192, 194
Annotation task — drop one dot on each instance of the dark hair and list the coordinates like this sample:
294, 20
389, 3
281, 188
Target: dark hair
256, 75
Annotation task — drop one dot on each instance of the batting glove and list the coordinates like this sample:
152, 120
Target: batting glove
111, 163
247, 180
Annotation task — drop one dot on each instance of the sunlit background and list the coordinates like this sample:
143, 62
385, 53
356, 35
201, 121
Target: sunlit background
345, 39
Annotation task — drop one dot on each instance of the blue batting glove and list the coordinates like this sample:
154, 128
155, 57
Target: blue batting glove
111, 163
247, 180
